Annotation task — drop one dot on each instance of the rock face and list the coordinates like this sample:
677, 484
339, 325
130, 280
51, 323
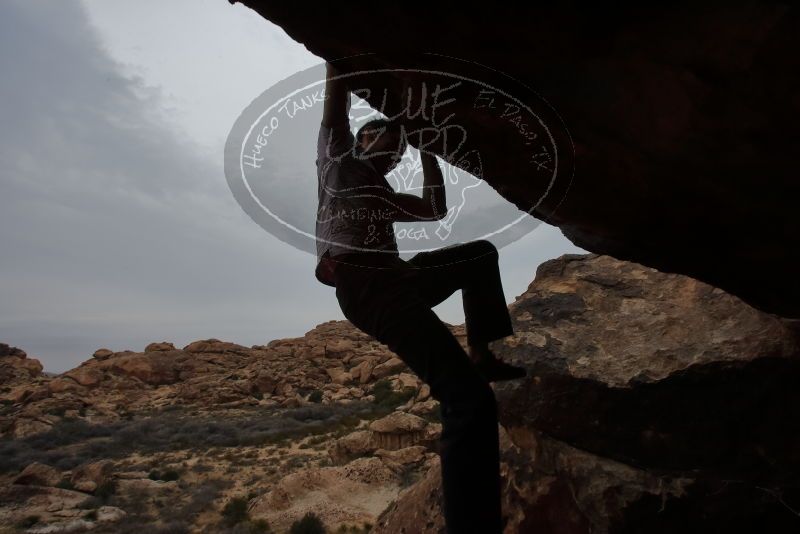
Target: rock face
38, 474
681, 120
55, 510
652, 401
16, 367
352, 494
398, 431
90, 476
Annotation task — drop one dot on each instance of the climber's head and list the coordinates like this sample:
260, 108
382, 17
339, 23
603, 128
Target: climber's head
382, 142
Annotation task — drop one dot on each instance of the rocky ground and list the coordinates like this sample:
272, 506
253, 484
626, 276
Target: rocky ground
653, 402
331, 422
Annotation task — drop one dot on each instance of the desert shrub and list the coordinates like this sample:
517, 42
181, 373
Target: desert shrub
296, 462
200, 467
255, 526
386, 397
320, 412
235, 515
6, 407
381, 389
173, 527
171, 431
28, 521
435, 415
235, 511
353, 529
90, 503
203, 496
65, 483
262, 524
308, 524
166, 476
315, 440
144, 523
408, 476
105, 490
56, 410
63, 462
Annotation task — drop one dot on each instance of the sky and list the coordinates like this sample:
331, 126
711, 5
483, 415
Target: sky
117, 226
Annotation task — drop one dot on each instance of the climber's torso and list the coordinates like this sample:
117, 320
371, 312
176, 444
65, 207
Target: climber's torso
354, 214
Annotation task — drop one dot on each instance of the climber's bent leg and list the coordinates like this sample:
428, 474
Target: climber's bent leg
473, 268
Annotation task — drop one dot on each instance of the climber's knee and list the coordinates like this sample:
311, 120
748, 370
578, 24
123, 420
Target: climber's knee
484, 249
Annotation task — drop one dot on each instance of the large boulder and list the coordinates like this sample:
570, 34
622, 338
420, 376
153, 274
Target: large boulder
54, 510
38, 474
681, 119
159, 346
398, 431
652, 401
348, 495
90, 476
154, 368
16, 367
85, 375
351, 446
103, 354
212, 345
676, 373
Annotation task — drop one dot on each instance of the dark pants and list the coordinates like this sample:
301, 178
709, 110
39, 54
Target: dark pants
391, 300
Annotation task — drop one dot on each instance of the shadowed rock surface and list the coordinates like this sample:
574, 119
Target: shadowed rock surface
683, 119
653, 401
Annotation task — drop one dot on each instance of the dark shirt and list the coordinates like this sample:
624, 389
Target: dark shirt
354, 213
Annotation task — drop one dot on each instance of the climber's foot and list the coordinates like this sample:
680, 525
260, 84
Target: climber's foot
497, 370
494, 369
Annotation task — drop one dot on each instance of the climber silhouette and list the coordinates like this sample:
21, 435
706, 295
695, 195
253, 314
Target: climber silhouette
391, 299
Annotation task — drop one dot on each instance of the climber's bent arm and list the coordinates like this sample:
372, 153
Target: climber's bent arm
432, 206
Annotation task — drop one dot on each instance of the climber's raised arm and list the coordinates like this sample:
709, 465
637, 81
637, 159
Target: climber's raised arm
335, 138
337, 98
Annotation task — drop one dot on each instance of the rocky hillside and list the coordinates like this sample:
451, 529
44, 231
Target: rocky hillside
653, 401
332, 413
334, 359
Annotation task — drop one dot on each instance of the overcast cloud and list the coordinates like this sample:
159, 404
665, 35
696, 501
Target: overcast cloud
117, 227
